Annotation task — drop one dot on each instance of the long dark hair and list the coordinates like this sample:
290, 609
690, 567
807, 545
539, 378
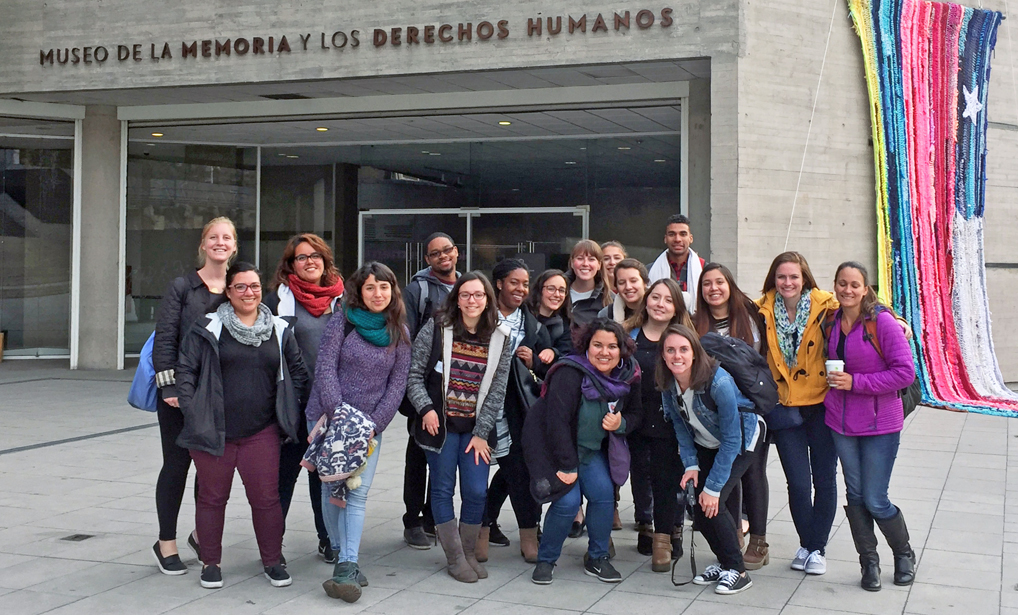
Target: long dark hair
808, 281
534, 298
640, 316
330, 275
703, 364
589, 247
585, 333
395, 312
450, 315
868, 305
743, 314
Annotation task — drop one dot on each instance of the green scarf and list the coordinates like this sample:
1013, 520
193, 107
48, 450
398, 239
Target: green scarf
369, 325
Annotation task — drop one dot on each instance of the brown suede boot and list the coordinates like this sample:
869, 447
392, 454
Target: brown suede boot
529, 544
449, 536
661, 560
468, 538
481, 550
756, 556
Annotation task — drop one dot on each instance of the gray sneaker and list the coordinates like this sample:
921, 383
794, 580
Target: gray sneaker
416, 538
799, 561
712, 574
815, 563
543, 573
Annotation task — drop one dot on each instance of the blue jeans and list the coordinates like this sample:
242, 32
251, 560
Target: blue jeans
866, 462
346, 525
811, 465
473, 481
594, 483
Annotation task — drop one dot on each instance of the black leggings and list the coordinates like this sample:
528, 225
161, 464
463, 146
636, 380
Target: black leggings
664, 472
720, 530
513, 481
755, 491
173, 476
290, 456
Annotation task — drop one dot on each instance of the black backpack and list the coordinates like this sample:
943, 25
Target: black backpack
748, 368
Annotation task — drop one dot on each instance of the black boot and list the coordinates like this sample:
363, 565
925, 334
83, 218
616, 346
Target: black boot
896, 533
861, 523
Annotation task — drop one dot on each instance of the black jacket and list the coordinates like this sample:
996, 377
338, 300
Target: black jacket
420, 307
186, 300
200, 386
536, 338
560, 333
549, 433
585, 310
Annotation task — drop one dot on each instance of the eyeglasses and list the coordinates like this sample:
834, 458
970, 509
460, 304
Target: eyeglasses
446, 251
478, 296
243, 288
555, 290
302, 258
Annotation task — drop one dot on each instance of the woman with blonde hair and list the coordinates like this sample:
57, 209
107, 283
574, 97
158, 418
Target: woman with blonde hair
613, 252
187, 299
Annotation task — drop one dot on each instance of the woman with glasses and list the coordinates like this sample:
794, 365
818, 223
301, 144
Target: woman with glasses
363, 361
549, 302
187, 299
307, 291
241, 383
458, 374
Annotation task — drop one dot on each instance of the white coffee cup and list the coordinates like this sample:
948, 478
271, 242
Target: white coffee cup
834, 365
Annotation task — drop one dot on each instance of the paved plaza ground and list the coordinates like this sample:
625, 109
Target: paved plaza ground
75, 459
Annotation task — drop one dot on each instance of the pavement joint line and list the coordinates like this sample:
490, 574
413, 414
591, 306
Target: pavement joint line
32, 447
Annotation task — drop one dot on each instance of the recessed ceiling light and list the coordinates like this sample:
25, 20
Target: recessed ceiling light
505, 123
570, 162
583, 148
151, 144
424, 151
322, 129
660, 160
623, 148
157, 134
292, 156
281, 154
516, 190
435, 154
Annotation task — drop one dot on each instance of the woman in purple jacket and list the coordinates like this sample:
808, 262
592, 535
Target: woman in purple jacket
865, 414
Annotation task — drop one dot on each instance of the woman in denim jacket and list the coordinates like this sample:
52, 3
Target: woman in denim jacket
716, 439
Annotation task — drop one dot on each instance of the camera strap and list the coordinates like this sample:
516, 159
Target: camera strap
688, 508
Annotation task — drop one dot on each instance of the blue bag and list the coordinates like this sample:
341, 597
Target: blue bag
143, 388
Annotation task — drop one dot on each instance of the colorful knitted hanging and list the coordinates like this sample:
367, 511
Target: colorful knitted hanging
927, 71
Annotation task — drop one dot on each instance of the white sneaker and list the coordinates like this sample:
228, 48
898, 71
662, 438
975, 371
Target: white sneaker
815, 563
799, 562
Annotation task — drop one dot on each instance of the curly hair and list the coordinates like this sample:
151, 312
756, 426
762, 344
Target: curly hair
582, 336
330, 273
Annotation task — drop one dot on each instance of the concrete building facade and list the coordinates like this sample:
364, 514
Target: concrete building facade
760, 107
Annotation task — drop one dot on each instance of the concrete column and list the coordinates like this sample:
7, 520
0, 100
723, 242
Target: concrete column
698, 182
724, 160
99, 306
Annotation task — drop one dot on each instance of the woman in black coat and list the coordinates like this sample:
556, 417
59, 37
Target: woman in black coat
188, 298
590, 397
242, 384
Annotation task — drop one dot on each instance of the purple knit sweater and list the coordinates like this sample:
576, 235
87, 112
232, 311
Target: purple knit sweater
352, 370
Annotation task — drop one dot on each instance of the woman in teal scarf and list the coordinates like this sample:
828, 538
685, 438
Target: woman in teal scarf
363, 361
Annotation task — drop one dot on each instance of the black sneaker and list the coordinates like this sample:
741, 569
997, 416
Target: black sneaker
170, 564
543, 573
211, 577
415, 538
282, 560
577, 529
278, 576
326, 552
602, 569
712, 574
732, 582
496, 537
191, 542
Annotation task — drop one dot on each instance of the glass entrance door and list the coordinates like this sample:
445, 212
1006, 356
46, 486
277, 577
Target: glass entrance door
541, 236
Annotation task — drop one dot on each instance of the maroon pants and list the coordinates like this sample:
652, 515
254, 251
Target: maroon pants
257, 459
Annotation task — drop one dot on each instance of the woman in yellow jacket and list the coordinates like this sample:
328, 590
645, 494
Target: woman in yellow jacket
794, 310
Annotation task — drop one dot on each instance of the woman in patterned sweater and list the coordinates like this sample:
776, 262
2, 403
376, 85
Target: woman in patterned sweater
458, 374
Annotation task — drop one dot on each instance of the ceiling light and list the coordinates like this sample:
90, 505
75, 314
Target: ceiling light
583, 148
570, 162
281, 154
157, 134
151, 144
660, 160
435, 154
624, 148
292, 156
322, 129
424, 151
505, 123
516, 190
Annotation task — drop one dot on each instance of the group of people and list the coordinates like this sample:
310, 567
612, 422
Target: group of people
572, 384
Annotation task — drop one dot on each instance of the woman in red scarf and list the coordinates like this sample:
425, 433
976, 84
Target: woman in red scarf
307, 288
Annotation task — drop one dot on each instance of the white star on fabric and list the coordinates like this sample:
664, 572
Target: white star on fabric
972, 104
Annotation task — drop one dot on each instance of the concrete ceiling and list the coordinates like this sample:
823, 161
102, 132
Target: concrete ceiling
591, 75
